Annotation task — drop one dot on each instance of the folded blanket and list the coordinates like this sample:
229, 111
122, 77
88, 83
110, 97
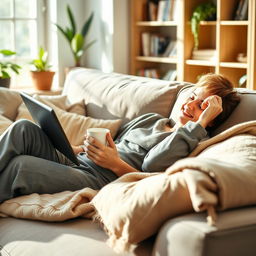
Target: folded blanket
217, 159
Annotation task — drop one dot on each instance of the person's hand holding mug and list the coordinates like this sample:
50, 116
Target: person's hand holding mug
100, 147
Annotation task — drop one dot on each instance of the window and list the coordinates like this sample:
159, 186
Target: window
22, 31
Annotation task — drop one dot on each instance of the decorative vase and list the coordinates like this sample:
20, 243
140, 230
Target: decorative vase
42, 80
5, 82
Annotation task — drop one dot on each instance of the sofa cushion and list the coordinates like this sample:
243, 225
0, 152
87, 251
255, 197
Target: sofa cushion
4, 123
10, 100
62, 102
245, 111
234, 233
120, 96
77, 237
74, 125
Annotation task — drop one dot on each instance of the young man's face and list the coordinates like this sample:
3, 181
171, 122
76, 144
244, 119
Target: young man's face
192, 108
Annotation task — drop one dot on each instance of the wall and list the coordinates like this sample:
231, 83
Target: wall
110, 28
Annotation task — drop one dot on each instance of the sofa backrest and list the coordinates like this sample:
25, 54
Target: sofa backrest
112, 95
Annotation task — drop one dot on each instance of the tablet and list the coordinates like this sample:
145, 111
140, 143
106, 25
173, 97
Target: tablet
46, 118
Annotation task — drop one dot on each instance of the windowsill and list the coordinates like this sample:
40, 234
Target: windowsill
31, 90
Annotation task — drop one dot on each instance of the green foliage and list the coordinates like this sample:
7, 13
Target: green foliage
202, 12
6, 67
77, 40
41, 63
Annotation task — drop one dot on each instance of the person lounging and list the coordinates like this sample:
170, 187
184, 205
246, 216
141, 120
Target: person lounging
150, 143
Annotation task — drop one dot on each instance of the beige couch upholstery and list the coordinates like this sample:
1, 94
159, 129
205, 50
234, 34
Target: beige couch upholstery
115, 96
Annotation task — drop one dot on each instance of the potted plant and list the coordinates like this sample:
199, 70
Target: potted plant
6, 67
41, 75
204, 11
76, 39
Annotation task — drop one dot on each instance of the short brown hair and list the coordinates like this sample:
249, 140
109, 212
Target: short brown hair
221, 86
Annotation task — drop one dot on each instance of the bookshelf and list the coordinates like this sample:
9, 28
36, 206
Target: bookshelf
229, 37
170, 29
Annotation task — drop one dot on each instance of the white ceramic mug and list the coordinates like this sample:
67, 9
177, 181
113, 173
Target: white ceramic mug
99, 134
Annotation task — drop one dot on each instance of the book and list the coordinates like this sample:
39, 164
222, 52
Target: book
152, 11
174, 12
145, 43
244, 11
238, 10
170, 75
169, 49
161, 9
204, 54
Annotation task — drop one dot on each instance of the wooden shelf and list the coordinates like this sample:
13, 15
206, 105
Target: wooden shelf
156, 23
234, 22
201, 63
208, 23
229, 37
157, 59
233, 65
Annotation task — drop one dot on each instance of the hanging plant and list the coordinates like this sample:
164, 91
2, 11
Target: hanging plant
205, 11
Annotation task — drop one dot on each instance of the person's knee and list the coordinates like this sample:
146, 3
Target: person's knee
23, 125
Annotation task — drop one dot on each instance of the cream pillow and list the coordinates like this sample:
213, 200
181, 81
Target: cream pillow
4, 123
74, 125
62, 102
9, 103
140, 207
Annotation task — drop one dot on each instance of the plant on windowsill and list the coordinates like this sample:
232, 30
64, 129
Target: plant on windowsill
41, 74
76, 39
204, 11
6, 68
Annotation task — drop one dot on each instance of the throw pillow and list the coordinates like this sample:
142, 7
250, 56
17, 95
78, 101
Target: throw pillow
141, 206
4, 123
9, 103
62, 102
74, 125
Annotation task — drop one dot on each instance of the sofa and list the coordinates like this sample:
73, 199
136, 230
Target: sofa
118, 98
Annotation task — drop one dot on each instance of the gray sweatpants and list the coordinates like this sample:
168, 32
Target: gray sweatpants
30, 164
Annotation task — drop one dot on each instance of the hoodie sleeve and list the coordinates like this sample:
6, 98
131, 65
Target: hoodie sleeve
174, 147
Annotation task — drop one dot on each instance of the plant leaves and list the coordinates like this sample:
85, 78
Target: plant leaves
77, 43
72, 20
63, 32
87, 25
89, 44
5, 74
7, 52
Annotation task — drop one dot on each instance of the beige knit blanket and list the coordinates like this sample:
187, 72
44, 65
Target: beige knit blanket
228, 160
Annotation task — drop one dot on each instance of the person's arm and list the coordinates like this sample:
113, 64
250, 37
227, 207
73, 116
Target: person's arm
174, 147
107, 156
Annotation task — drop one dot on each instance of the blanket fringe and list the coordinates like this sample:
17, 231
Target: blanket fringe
211, 216
119, 245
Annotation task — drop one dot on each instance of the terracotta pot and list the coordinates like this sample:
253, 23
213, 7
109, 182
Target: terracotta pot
42, 80
5, 82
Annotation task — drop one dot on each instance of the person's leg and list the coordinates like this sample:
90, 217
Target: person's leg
26, 138
27, 174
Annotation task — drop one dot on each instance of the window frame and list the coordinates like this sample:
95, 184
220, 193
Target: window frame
40, 20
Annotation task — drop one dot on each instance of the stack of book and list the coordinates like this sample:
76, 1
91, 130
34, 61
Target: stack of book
241, 10
151, 73
153, 44
204, 54
162, 10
